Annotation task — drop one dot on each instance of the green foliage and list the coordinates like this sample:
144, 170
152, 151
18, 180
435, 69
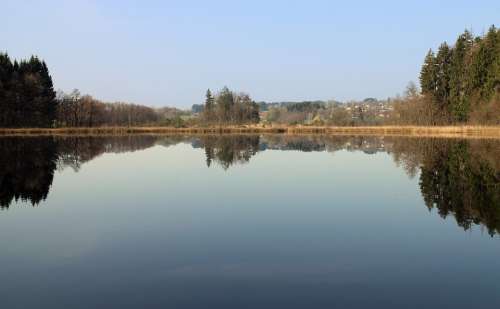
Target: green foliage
442, 63
464, 78
459, 100
428, 74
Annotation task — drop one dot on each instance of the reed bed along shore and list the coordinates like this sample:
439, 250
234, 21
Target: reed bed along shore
431, 131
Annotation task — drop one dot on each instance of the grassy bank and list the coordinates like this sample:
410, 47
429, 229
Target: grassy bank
445, 131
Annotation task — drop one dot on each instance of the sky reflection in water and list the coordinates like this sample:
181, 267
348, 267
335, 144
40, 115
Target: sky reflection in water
249, 221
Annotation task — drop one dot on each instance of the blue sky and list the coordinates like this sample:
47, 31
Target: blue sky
169, 52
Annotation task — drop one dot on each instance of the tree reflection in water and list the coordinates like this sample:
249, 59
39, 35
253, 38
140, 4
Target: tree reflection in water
27, 164
26, 169
457, 177
228, 149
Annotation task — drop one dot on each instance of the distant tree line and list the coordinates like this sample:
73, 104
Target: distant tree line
228, 107
332, 113
27, 97
75, 110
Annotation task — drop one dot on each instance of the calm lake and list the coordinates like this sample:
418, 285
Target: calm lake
244, 221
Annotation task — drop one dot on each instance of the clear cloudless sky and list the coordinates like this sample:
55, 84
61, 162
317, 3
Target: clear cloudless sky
169, 52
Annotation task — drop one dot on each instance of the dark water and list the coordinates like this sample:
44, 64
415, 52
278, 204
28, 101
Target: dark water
249, 222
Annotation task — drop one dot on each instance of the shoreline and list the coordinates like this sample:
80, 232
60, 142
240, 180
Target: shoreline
418, 131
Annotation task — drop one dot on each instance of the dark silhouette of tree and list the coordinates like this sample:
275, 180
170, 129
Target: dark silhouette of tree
27, 97
456, 183
457, 177
28, 164
27, 168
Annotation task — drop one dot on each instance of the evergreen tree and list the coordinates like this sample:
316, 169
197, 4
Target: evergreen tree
208, 112
492, 54
27, 97
464, 81
6, 70
428, 74
459, 101
443, 66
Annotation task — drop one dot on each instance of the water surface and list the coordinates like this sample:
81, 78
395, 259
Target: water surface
246, 221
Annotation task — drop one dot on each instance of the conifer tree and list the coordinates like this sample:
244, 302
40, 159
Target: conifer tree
208, 112
464, 80
443, 61
428, 74
27, 97
492, 59
459, 101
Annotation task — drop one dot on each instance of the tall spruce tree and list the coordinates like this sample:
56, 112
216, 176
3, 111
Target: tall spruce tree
443, 66
492, 55
482, 71
428, 74
208, 111
459, 100
464, 80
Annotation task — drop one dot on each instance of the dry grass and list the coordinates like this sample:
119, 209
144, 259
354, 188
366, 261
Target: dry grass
442, 131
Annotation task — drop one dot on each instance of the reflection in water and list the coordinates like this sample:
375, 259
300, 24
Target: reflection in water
227, 149
27, 164
457, 180
26, 169
458, 177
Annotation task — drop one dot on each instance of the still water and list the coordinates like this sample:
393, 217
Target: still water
249, 222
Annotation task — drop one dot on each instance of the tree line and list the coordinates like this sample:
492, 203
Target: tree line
230, 108
27, 96
28, 99
464, 80
75, 110
459, 83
